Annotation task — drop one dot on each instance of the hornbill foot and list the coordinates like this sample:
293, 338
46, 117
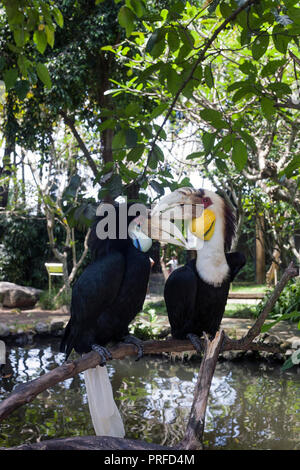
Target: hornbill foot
196, 342
130, 339
103, 353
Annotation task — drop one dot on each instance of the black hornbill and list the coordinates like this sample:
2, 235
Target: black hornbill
196, 294
105, 299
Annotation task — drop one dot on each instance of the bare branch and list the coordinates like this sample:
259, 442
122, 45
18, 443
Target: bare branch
254, 331
70, 122
193, 436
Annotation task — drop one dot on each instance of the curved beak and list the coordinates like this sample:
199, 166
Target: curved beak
170, 218
181, 204
159, 228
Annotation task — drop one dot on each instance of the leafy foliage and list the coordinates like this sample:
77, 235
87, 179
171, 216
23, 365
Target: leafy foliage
287, 306
24, 250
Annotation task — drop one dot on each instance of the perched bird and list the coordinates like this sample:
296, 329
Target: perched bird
105, 299
196, 294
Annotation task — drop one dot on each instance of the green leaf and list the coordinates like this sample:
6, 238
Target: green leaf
267, 107
107, 124
243, 92
119, 140
271, 67
132, 109
209, 79
158, 153
260, 46
10, 77
280, 38
248, 68
71, 190
50, 35
158, 110
158, 187
20, 36
115, 186
126, 19
158, 49
214, 118
40, 40
43, 74
194, 155
248, 139
137, 7
152, 161
58, 17
173, 81
173, 39
221, 165
227, 142
22, 88
135, 154
294, 14
208, 141
287, 364
131, 138
239, 154
153, 39
281, 89
294, 165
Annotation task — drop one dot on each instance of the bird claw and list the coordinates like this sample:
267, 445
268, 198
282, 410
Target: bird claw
130, 339
196, 342
103, 353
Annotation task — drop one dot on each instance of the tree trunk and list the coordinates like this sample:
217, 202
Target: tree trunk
260, 250
272, 273
10, 138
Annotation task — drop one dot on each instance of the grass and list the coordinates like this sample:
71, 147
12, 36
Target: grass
47, 300
248, 288
239, 310
232, 310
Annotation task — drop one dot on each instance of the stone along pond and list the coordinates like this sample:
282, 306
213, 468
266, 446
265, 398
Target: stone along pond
252, 405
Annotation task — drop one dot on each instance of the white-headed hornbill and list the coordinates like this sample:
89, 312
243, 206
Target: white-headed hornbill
105, 299
196, 294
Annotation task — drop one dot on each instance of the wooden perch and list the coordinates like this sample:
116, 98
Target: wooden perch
195, 428
25, 393
90, 443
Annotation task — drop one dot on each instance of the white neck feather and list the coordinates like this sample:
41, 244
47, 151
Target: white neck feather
211, 262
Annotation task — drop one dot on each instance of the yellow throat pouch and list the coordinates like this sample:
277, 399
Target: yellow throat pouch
203, 227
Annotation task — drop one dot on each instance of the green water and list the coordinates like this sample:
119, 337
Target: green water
251, 405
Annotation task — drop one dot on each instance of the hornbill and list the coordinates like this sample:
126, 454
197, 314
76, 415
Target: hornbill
196, 294
105, 299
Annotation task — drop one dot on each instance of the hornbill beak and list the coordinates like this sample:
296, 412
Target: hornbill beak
157, 227
183, 212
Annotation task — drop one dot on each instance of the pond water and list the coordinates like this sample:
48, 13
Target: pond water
251, 406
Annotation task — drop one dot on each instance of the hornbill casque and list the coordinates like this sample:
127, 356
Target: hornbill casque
196, 294
105, 299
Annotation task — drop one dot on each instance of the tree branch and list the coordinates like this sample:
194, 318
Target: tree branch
25, 393
70, 122
194, 432
254, 331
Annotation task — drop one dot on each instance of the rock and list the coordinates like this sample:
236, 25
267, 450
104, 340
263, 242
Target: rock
15, 296
272, 340
232, 355
42, 328
294, 342
56, 327
4, 330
